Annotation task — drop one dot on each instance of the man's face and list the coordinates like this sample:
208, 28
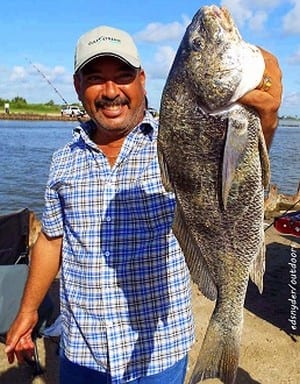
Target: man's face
112, 93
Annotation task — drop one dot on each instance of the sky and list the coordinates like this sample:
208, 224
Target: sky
42, 34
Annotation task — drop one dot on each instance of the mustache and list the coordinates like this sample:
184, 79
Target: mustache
106, 102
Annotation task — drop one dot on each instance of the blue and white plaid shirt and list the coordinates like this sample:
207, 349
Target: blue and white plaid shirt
125, 287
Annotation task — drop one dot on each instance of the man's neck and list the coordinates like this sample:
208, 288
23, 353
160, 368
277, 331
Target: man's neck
110, 143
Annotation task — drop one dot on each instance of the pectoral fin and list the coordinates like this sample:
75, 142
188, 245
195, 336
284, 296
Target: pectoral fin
264, 159
258, 267
236, 141
197, 265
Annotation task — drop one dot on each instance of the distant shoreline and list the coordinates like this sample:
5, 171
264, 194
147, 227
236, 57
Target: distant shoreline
290, 125
57, 117
35, 116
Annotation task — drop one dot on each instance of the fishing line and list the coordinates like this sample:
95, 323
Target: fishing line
51, 85
48, 81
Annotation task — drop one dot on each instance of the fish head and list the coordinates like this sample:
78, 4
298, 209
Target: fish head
210, 53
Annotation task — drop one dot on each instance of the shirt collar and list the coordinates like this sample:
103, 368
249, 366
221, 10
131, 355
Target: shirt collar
84, 131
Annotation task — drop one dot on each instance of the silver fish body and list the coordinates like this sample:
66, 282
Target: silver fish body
213, 156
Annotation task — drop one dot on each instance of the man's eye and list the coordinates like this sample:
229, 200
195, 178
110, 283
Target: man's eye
119, 78
95, 79
125, 78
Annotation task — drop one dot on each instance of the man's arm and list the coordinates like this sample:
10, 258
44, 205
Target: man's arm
267, 102
44, 266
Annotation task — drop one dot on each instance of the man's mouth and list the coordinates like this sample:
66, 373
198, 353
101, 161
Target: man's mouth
112, 110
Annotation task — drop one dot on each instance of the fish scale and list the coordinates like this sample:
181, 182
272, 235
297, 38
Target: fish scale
212, 154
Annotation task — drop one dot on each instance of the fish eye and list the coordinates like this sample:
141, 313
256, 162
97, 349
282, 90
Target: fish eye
197, 44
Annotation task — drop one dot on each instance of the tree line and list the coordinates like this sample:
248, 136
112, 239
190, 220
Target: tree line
21, 102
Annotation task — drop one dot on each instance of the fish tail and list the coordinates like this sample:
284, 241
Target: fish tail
219, 354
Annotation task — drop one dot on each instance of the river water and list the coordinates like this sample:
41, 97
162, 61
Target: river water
26, 148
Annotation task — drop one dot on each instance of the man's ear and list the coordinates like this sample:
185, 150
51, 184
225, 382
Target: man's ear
142, 76
76, 83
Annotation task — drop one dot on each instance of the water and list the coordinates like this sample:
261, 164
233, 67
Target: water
26, 148
285, 158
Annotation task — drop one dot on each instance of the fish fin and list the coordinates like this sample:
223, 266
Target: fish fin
264, 159
194, 259
219, 354
258, 266
235, 144
164, 172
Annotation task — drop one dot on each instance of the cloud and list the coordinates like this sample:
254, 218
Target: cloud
58, 72
251, 13
160, 64
158, 57
295, 58
27, 82
291, 23
156, 32
257, 22
291, 102
239, 10
266, 4
18, 73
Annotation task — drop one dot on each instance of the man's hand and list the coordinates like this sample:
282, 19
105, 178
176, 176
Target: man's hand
44, 266
18, 340
267, 101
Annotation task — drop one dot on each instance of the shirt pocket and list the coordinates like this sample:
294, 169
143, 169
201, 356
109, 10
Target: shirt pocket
81, 201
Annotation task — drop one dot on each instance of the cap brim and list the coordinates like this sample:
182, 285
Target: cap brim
128, 60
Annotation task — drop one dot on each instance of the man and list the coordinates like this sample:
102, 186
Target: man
125, 289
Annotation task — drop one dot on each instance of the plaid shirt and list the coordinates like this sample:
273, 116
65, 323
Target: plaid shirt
125, 287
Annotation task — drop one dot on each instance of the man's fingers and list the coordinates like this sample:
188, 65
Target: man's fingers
19, 343
24, 354
267, 100
24, 348
261, 101
273, 70
10, 356
10, 345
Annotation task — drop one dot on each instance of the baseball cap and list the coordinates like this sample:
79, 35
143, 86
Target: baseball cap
106, 41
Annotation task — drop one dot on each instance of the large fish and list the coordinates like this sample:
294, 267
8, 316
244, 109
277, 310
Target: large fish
212, 154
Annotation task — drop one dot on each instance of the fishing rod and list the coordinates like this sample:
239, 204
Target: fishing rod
48, 81
51, 85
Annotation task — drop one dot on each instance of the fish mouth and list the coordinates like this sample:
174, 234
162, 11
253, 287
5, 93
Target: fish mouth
218, 24
220, 15
212, 25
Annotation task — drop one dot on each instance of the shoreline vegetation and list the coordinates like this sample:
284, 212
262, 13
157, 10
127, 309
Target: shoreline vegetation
36, 116
19, 109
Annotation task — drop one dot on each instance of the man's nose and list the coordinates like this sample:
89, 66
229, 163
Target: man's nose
111, 89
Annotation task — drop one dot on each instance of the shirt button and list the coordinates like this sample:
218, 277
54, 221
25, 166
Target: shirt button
108, 218
107, 253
